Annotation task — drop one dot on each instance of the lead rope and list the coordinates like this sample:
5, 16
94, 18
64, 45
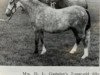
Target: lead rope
6, 20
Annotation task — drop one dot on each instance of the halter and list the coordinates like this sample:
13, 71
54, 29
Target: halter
12, 8
11, 11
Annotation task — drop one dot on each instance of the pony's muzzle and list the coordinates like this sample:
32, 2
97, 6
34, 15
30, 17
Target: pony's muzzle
8, 12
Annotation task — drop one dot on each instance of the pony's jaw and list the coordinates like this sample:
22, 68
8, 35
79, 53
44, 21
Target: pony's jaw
8, 13
19, 4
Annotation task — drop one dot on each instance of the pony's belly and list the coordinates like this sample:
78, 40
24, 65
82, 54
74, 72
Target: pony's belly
56, 28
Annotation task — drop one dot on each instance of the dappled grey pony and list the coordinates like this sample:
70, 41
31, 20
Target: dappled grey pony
48, 19
65, 3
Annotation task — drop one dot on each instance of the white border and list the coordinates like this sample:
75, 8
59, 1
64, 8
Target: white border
46, 70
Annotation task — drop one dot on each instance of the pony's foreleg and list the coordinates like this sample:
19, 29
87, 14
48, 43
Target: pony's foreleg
78, 39
36, 41
86, 43
43, 47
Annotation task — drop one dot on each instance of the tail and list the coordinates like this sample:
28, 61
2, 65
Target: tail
89, 20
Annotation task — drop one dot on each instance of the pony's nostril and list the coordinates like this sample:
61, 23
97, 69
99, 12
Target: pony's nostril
8, 15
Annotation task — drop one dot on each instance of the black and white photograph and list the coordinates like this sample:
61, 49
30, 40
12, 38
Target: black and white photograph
49, 33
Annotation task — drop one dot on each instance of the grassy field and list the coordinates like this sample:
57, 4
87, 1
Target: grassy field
17, 45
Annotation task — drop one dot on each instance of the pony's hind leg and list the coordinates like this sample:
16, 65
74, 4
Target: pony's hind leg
36, 41
41, 38
78, 39
86, 43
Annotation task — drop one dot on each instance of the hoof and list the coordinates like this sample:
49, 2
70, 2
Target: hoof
73, 49
72, 52
43, 53
84, 56
43, 50
85, 53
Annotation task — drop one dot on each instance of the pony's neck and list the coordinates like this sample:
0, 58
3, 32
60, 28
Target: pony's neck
33, 7
33, 4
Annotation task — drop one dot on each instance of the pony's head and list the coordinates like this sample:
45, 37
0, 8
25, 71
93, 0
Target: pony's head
12, 6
